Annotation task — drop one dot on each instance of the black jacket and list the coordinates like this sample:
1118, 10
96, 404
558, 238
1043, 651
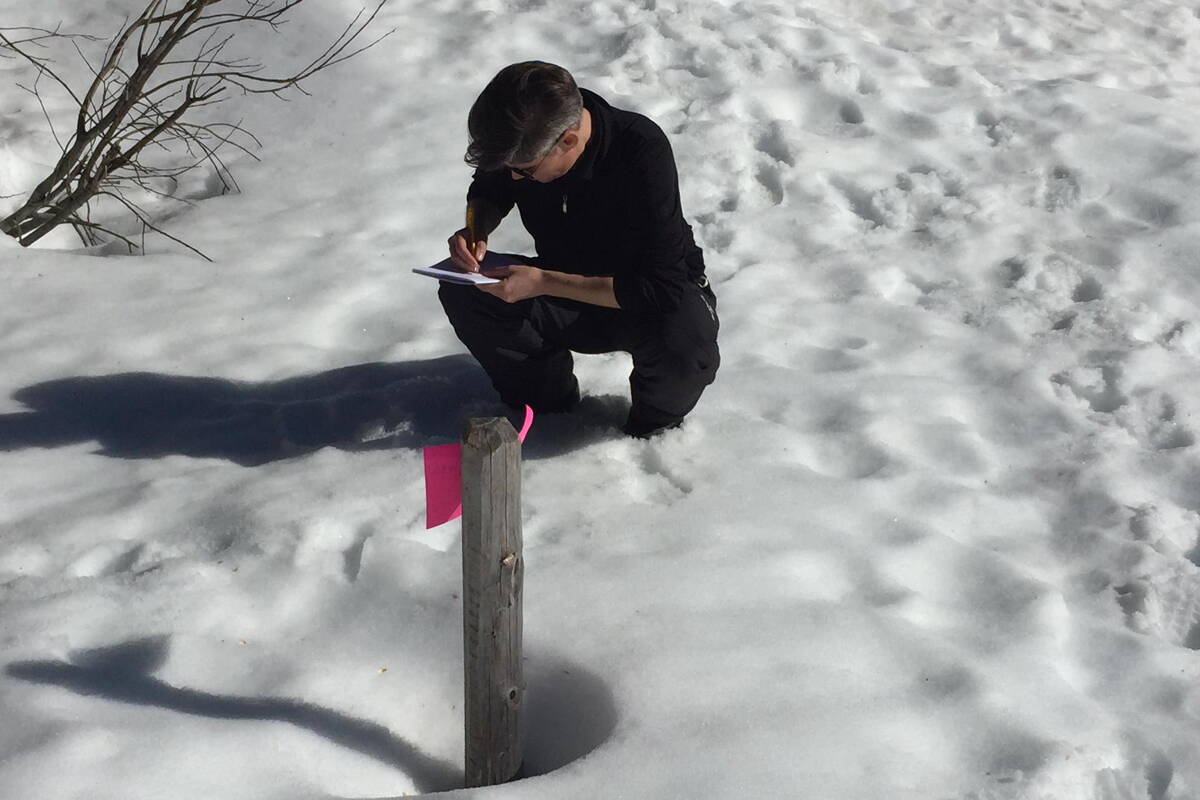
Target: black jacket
616, 212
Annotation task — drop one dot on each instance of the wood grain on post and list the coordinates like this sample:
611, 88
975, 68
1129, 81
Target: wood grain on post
493, 570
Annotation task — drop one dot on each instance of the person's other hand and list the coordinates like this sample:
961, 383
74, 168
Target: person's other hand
517, 282
461, 254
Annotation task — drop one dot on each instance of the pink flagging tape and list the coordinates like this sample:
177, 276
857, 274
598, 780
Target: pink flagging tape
443, 484
443, 478
527, 425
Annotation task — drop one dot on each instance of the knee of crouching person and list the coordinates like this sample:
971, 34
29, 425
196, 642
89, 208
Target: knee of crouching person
690, 337
455, 296
692, 355
447, 292
707, 360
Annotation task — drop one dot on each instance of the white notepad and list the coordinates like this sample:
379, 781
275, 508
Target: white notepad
446, 271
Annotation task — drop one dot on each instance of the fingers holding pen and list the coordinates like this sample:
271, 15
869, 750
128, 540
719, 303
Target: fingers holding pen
463, 255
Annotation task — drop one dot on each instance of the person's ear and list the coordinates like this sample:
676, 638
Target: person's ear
569, 140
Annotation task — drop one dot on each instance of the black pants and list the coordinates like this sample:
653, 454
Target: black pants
525, 348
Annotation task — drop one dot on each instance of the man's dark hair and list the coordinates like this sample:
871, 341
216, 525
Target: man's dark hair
521, 114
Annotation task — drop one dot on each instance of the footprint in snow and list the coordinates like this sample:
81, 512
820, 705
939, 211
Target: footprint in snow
778, 158
110, 558
943, 76
773, 143
1059, 189
1165, 605
852, 343
653, 463
1012, 271
1100, 249
850, 113
770, 178
917, 126
999, 130
1087, 290
1098, 386
1167, 528
1148, 207
923, 199
1183, 337
1152, 417
844, 457
1147, 777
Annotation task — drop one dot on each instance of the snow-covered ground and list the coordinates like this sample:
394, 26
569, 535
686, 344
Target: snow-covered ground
934, 532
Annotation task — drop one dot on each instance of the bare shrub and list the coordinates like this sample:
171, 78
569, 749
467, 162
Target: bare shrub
137, 125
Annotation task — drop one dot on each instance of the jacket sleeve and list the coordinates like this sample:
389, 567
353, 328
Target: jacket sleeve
496, 187
655, 282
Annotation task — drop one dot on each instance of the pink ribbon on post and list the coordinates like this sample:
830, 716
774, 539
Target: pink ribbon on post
443, 478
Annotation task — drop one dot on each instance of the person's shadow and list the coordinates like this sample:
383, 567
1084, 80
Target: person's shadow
408, 404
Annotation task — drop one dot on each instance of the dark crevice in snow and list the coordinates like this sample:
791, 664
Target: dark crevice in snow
1159, 774
1192, 640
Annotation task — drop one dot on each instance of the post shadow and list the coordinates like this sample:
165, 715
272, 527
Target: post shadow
365, 406
123, 673
570, 711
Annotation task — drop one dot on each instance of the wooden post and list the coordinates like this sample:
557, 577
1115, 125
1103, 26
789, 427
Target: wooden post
493, 570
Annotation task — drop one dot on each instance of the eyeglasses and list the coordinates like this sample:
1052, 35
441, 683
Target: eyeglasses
527, 172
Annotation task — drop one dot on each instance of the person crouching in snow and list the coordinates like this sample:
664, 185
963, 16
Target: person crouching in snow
617, 267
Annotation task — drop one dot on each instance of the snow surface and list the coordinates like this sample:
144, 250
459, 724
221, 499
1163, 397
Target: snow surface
934, 532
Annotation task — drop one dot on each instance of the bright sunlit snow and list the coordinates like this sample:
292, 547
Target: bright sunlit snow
933, 533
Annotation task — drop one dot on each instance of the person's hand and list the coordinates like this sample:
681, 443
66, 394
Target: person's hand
461, 254
517, 282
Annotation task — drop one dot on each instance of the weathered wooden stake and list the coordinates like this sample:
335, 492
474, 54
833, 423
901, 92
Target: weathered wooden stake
493, 569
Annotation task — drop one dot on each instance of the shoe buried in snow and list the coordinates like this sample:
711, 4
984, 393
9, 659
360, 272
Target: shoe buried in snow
644, 423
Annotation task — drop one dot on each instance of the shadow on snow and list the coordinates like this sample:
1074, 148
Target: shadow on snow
569, 712
365, 406
122, 673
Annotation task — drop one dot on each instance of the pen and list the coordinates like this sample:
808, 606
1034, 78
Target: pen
471, 237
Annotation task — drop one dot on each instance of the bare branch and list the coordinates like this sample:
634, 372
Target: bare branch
86, 231
154, 77
45, 112
38, 63
144, 218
